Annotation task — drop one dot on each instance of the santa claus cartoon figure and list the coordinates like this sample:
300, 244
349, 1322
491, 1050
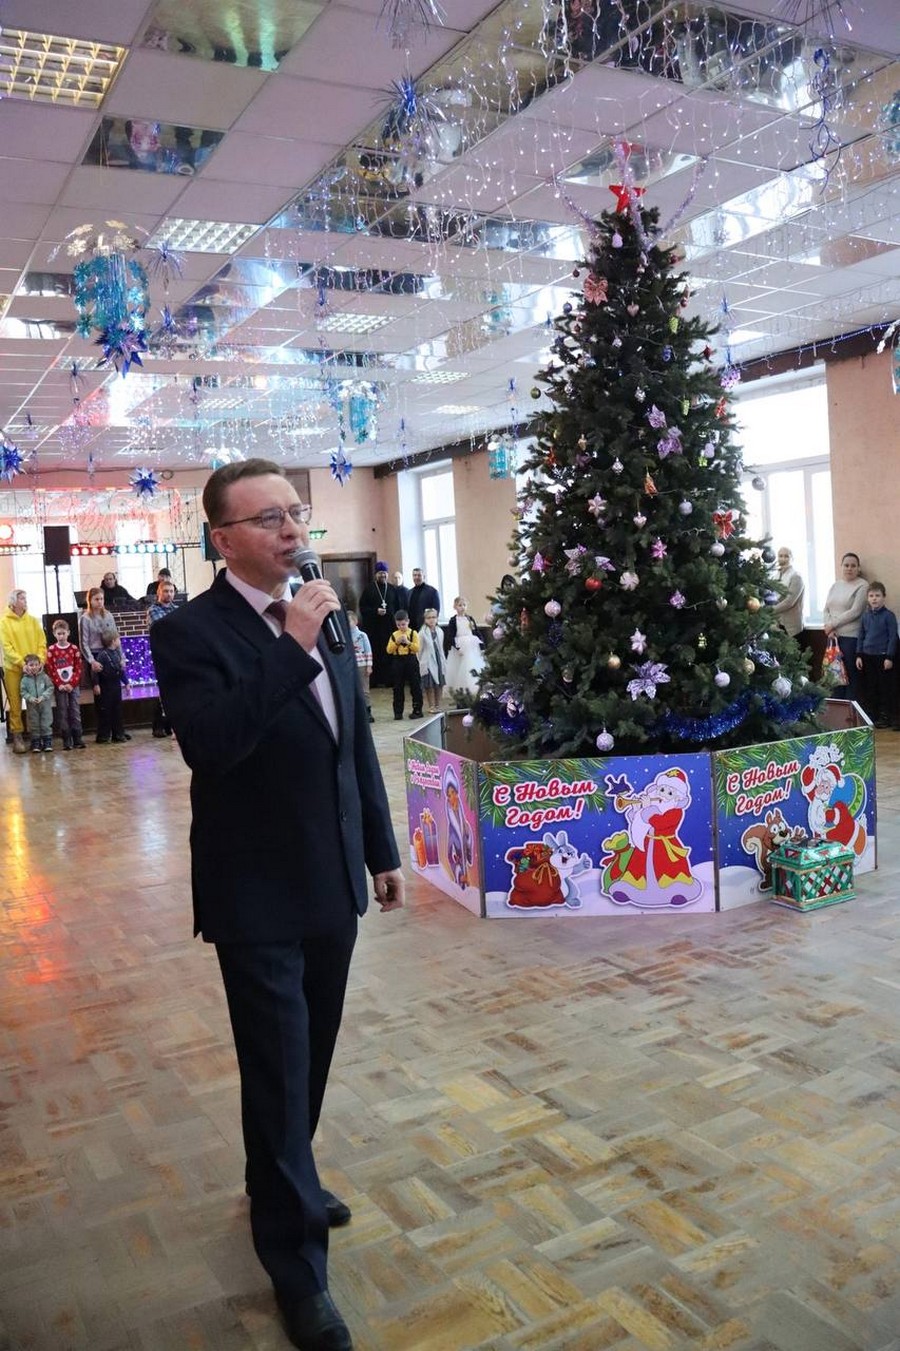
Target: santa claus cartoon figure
836, 801
647, 864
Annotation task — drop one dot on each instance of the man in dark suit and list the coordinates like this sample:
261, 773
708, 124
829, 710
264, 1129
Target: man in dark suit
423, 596
289, 811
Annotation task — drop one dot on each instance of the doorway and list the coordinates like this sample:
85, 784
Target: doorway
348, 574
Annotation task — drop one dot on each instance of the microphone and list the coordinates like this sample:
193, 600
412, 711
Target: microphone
306, 562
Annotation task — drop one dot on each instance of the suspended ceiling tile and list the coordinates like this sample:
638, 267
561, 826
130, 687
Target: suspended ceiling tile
604, 99
119, 194
161, 86
378, 251
682, 196
204, 200
21, 220
94, 20
29, 180
14, 253
704, 122
270, 160
40, 130
355, 46
63, 219
284, 104
477, 187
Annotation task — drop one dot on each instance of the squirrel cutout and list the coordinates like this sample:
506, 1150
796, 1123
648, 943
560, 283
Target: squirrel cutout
763, 839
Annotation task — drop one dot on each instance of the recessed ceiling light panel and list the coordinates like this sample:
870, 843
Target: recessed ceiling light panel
438, 378
354, 323
49, 69
201, 236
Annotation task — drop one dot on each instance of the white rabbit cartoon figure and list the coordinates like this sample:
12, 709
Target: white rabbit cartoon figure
567, 861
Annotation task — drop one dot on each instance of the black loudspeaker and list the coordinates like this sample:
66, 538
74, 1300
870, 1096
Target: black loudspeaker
56, 546
207, 548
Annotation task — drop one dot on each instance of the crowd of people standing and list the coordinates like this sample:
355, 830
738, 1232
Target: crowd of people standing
41, 677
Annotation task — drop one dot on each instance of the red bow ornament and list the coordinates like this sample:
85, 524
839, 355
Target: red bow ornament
595, 289
724, 522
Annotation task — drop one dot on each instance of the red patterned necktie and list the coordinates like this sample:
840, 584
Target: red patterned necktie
278, 610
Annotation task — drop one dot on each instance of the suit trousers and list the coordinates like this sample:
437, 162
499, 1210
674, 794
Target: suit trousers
285, 1001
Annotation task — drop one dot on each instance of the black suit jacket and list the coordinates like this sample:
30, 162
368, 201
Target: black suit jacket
286, 820
421, 598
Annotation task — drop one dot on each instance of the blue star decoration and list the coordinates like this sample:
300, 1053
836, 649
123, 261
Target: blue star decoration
144, 482
11, 462
341, 467
122, 345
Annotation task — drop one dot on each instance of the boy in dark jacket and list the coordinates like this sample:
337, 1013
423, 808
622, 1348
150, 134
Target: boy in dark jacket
108, 682
876, 646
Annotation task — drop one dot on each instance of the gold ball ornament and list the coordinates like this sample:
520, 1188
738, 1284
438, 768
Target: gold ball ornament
613, 662
753, 604
749, 666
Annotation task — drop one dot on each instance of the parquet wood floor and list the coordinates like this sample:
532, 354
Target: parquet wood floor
643, 1134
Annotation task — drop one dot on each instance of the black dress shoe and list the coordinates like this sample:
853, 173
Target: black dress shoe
338, 1212
314, 1324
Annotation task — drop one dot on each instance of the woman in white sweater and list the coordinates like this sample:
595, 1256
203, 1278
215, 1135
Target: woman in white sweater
789, 608
844, 605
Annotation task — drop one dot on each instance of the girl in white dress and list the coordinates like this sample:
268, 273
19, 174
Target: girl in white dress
462, 646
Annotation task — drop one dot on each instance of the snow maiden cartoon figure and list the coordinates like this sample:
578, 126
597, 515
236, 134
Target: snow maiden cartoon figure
647, 865
837, 801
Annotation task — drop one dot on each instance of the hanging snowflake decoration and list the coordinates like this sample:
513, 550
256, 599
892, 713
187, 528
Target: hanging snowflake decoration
144, 482
11, 462
122, 345
822, 15
341, 467
111, 292
405, 16
411, 111
362, 406
165, 264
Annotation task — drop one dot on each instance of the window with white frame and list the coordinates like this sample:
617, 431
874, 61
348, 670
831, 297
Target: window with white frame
134, 571
783, 431
438, 515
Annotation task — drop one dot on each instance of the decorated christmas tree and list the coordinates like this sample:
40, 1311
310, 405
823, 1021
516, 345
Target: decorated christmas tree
640, 620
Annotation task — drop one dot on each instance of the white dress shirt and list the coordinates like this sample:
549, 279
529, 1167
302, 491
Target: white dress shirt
321, 686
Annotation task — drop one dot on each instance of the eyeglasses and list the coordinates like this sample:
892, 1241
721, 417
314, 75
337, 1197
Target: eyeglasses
273, 517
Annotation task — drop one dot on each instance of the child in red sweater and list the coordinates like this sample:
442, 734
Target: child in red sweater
64, 667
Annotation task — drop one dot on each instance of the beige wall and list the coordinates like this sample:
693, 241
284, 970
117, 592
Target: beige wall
354, 515
484, 529
864, 432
